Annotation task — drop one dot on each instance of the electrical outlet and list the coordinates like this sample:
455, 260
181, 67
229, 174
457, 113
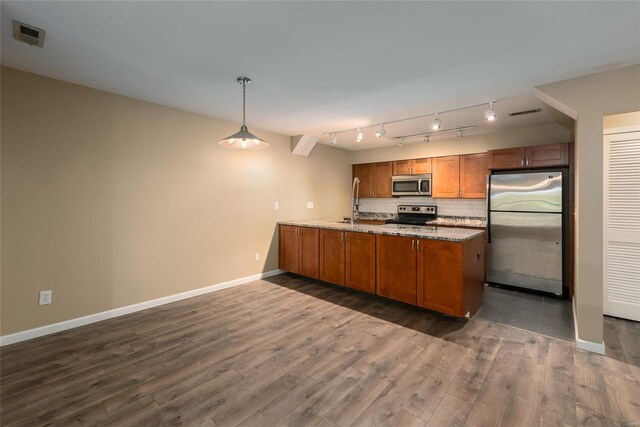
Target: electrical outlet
257, 257
45, 297
309, 205
276, 205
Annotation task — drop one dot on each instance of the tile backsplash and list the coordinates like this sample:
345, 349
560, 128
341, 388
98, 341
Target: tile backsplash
446, 207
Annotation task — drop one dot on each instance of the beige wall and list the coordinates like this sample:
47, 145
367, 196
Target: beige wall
588, 99
622, 120
110, 201
510, 137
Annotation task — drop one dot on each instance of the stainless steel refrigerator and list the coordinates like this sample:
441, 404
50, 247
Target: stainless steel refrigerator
525, 237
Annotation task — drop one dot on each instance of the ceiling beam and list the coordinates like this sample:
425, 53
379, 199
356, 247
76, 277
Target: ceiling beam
303, 144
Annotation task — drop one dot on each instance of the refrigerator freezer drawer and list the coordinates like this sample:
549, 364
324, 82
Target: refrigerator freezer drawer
526, 250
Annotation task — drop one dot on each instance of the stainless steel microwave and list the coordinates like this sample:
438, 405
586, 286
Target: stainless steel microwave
411, 185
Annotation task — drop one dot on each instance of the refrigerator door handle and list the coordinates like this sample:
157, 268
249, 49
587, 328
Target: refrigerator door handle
488, 209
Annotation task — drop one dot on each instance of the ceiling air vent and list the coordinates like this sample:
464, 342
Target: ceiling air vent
522, 113
28, 33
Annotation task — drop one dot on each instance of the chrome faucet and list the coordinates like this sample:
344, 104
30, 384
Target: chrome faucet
354, 198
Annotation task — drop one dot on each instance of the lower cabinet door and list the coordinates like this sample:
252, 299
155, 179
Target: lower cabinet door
440, 276
332, 256
396, 268
288, 248
308, 252
360, 266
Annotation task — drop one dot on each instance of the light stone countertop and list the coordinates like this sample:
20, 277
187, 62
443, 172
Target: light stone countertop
460, 221
420, 232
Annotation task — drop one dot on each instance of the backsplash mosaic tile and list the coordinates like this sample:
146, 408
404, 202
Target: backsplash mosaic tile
446, 207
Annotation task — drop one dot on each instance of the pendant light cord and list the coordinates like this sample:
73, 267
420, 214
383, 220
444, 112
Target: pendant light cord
244, 90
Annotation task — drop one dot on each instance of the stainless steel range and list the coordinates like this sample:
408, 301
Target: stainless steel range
414, 215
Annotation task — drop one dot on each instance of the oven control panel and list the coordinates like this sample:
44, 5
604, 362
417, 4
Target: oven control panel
414, 209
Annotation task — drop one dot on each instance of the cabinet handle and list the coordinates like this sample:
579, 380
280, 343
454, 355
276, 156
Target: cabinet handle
413, 245
522, 161
418, 245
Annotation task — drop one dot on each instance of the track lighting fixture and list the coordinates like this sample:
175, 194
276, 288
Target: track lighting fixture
243, 139
489, 114
401, 143
459, 135
437, 123
334, 141
426, 139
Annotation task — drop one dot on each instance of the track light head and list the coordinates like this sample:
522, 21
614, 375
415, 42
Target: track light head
359, 136
334, 141
437, 123
401, 143
382, 132
489, 114
459, 134
426, 139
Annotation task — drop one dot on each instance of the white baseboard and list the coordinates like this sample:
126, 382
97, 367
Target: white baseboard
593, 347
121, 311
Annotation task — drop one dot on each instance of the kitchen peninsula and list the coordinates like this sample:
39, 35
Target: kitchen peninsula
439, 268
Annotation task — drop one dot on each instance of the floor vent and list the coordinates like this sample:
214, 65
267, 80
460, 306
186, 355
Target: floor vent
29, 34
522, 113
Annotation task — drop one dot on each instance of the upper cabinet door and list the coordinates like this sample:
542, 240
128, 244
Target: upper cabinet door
473, 176
363, 172
402, 167
381, 179
446, 177
421, 166
507, 158
547, 155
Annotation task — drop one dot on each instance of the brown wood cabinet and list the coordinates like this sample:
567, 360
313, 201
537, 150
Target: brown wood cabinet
548, 155
473, 176
412, 166
529, 157
332, 256
446, 177
396, 268
298, 250
308, 252
375, 179
363, 172
450, 276
381, 179
288, 248
360, 266
439, 275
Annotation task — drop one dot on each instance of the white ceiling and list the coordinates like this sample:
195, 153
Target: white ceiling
324, 66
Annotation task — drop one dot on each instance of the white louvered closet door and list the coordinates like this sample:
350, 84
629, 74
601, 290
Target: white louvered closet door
622, 225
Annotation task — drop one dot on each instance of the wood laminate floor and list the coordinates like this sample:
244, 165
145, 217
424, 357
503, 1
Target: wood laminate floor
293, 351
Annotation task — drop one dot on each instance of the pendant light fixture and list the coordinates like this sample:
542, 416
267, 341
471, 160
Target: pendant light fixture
243, 139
